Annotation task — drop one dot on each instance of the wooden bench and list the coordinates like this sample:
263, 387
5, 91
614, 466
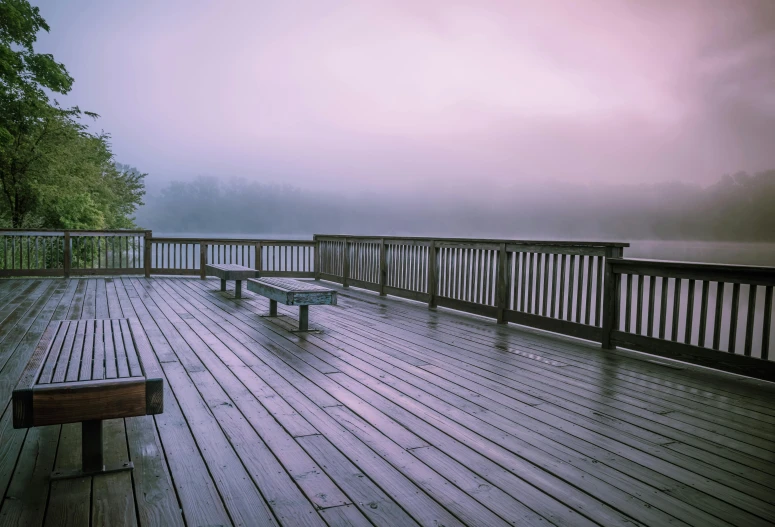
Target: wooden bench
86, 371
231, 272
292, 293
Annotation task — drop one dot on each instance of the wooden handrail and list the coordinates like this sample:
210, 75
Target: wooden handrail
580, 288
745, 351
441, 239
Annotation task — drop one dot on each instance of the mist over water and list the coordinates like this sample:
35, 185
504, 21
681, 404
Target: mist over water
730, 221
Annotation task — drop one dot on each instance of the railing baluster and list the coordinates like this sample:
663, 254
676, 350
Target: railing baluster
561, 314
676, 308
545, 293
588, 305
703, 313
639, 310
571, 286
733, 318
580, 289
689, 313
767, 322
628, 302
598, 297
652, 305
530, 302
750, 317
553, 284
717, 319
663, 307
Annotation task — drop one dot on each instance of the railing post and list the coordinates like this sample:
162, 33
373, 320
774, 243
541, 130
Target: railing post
611, 297
316, 259
501, 288
66, 256
147, 253
433, 273
346, 264
202, 260
382, 266
259, 257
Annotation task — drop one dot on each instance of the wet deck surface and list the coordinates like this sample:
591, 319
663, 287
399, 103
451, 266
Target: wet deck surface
392, 415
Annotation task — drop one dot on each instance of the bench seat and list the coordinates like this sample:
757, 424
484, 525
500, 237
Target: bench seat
231, 272
87, 371
292, 293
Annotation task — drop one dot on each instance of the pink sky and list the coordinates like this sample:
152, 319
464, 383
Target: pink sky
404, 94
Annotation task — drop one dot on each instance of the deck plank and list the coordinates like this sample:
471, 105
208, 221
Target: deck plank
497, 371
318, 488
196, 491
575, 517
113, 500
25, 500
157, 503
403, 490
393, 414
762, 492
607, 514
497, 398
69, 500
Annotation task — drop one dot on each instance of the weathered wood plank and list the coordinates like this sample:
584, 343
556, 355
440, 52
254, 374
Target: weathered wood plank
113, 501
245, 504
467, 398
25, 501
153, 488
199, 499
69, 500
367, 496
320, 490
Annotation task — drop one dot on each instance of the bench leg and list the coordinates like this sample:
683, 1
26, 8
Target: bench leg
272, 308
91, 446
223, 284
92, 460
238, 289
303, 318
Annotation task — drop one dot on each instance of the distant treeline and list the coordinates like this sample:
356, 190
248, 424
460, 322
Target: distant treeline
739, 207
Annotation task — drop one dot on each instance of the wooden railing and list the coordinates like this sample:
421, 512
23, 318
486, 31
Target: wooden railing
62, 253
73, 253
717, 315
556, 286
184, 256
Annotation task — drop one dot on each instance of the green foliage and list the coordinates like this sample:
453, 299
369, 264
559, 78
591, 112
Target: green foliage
53, 172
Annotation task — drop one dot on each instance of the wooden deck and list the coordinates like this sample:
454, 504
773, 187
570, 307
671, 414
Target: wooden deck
392, 415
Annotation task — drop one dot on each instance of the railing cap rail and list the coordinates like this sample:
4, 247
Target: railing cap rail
212, 241
481, 240
73, 231
754, 274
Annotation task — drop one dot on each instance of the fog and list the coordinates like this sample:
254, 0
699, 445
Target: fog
737, 208
419, 100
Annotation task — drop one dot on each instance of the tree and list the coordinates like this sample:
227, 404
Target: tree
53, 172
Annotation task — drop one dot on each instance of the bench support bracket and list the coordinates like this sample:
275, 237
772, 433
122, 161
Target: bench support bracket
92, 462
303, 318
